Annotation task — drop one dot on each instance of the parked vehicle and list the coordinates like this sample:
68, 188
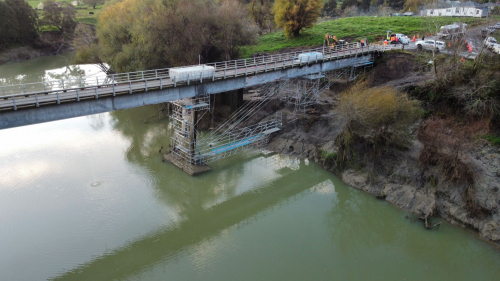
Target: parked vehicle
490, 42
487, 31
403, 39
496, 49
430, 44
408, 14
497, 25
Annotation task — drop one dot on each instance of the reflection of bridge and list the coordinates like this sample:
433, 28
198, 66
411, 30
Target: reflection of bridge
152, 249
45, 101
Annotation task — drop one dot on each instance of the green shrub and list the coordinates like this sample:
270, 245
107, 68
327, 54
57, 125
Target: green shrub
494, 140
328, 158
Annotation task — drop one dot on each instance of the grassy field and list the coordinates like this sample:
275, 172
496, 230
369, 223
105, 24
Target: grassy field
82, 12
354, 28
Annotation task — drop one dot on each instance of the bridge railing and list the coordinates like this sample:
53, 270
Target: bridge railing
34, 94
102, 80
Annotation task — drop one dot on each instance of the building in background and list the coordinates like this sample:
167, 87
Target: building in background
457, 9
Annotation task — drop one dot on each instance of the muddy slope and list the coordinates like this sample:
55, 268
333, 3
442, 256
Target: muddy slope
399, 178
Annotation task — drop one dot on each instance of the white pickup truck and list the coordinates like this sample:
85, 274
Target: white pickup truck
430, 44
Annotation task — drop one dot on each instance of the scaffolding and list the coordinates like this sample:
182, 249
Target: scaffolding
184, 120
191, 148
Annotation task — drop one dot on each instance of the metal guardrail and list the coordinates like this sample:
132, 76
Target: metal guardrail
56, 91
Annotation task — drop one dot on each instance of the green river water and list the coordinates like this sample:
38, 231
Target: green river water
90, 199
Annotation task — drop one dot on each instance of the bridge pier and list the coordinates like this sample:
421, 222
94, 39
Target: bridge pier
183, 146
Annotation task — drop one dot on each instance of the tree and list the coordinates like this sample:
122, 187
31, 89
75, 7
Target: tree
261, 12
27, 20
295, 15
349, 3
93, 3
150, 34
61, 15
87, 49
330, 8
234, 28
8, 24
18, 23
376, 117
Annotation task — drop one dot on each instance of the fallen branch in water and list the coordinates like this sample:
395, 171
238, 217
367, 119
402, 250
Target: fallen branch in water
427, 226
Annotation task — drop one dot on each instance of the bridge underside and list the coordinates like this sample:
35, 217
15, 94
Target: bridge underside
64, 110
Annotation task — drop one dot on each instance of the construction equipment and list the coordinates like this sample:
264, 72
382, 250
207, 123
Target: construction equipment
331, 40
452, 31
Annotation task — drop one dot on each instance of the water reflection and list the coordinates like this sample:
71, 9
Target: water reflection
207, 205
46, 73
245, 190
44, 68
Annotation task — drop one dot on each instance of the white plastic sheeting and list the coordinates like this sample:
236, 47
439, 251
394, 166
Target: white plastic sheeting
194, 72
309, 57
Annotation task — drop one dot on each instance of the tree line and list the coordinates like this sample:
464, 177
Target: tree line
21, 24
18, 24
133, 35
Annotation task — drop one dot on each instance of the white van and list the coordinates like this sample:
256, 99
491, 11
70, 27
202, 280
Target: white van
403, 39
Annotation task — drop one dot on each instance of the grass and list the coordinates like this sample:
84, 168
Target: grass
82, 12
494, 140
353, 28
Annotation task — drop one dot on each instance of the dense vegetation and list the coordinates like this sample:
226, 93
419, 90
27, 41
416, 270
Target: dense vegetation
134, 35
295, 15
378, 120
459, 106
18, 24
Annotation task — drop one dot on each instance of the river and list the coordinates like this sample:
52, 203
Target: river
89, 198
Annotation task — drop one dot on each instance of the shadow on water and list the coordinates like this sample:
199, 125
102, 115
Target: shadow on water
362, 230
192, 197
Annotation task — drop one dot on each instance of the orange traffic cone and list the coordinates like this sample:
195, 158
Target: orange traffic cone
449, 44
413, 40
418, 35
470, 48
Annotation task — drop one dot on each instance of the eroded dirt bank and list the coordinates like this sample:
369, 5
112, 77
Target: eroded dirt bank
400, 177
401, 180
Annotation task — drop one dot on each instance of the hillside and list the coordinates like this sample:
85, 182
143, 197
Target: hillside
353, 28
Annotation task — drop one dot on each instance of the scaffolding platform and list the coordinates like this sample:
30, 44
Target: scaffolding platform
231, 146
195, 106
187, 167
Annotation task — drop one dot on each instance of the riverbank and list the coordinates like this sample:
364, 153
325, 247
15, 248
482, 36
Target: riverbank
400, 176
400, 179
29, 52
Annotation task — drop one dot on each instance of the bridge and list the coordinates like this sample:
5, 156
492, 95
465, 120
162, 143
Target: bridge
45, 101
